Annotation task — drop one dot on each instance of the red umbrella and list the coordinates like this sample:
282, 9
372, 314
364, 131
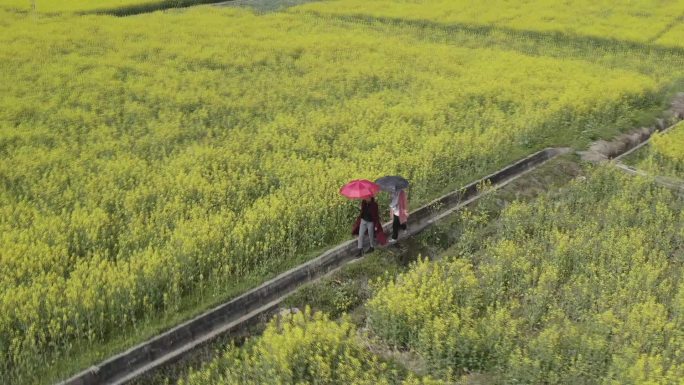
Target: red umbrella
359, 189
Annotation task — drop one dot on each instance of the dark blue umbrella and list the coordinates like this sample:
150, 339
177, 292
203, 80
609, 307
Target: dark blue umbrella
392, 183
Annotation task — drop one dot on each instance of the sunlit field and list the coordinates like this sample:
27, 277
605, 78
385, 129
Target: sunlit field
637, 21
155, 165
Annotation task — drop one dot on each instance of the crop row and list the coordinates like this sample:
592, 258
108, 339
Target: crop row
642, 21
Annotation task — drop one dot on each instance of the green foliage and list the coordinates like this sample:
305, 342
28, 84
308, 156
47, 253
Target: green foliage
347, 288
437, 310
302, 348
582, 287
665, 155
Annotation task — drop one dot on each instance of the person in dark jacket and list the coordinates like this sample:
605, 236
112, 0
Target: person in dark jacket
368, 221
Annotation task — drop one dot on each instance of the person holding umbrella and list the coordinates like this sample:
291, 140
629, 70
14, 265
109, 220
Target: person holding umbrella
368, 220
366, 223
398, 204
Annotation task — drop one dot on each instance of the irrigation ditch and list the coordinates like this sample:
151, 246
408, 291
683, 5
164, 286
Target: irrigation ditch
237, 315
628, 144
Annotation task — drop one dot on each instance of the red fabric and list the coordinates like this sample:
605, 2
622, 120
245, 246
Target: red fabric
380, 235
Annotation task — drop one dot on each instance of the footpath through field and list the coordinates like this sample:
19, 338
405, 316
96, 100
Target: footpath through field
237, 313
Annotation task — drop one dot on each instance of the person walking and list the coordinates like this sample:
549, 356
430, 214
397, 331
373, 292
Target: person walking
368, 222
399, 212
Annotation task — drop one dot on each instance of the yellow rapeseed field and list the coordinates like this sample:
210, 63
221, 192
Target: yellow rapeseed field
638, 21
578, 287
673, 36
303, 348
581, 285
665, 155
154, 165
671, 145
